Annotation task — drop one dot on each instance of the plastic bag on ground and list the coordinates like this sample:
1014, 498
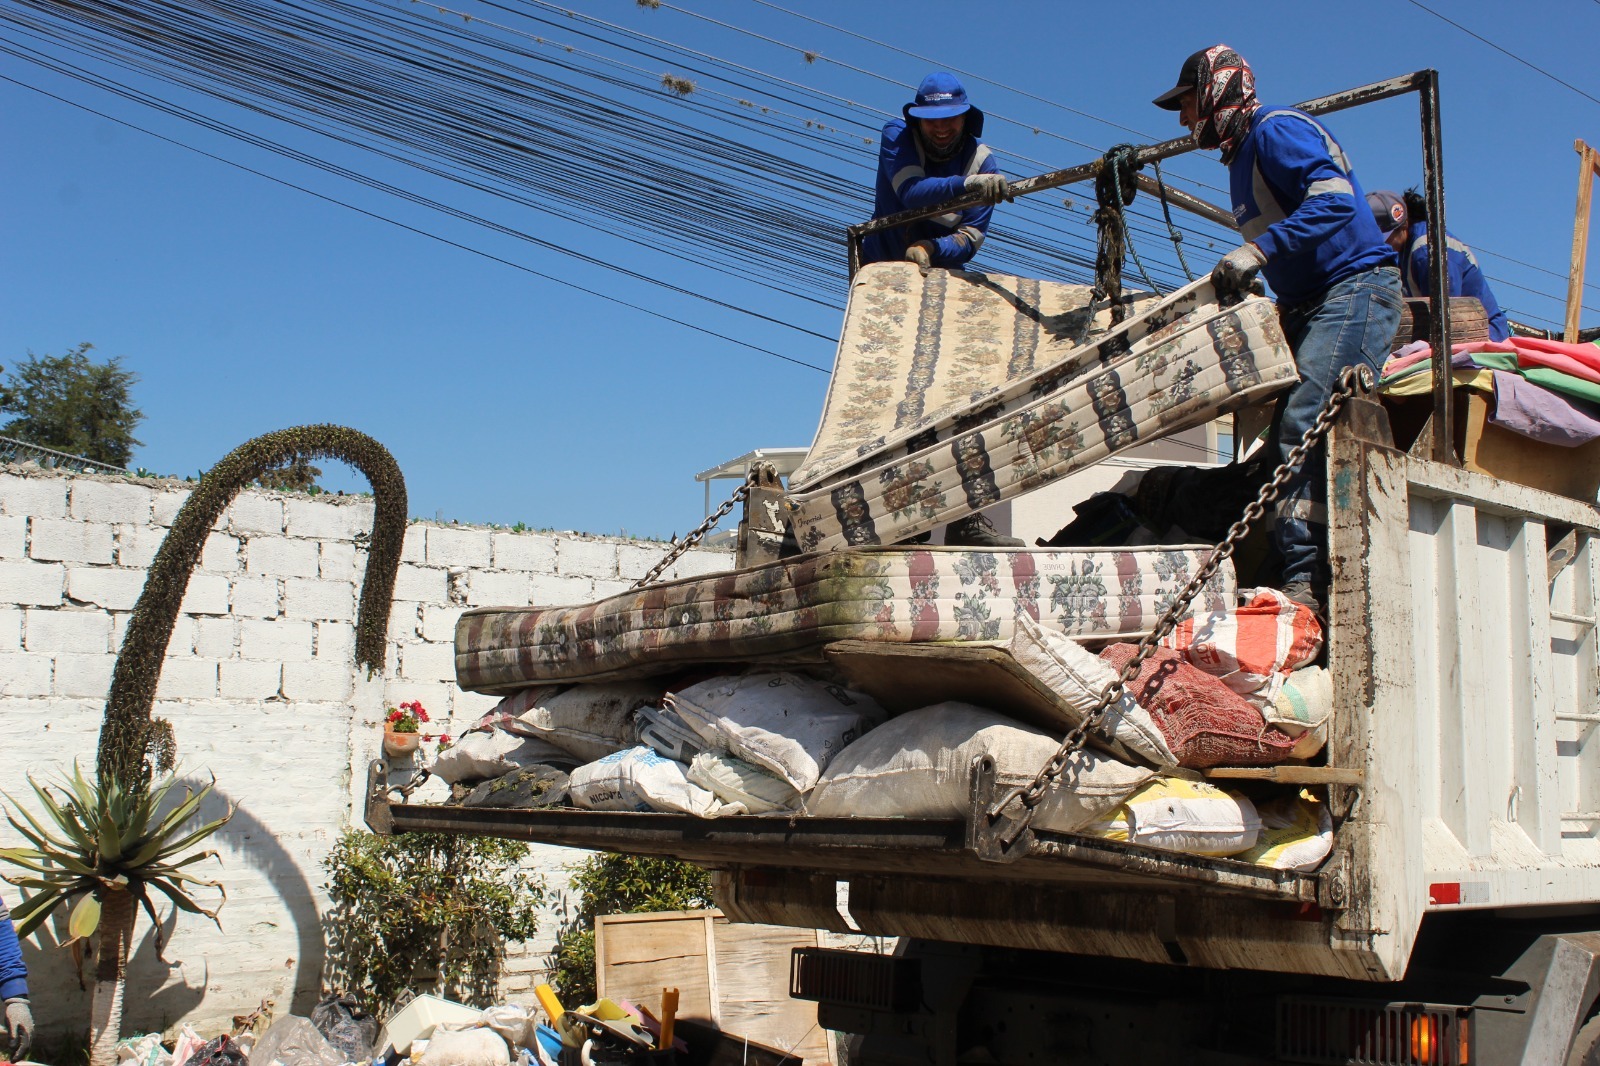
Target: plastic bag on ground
1193, 817
513, 1023
347, 1026
1303, 708
465, 1047
588, 721
186, 1045
1253, 647
482, 756
919, 765
531, 786
785, 723
143, 1051
1078, 677
1205, 723
733, 780
294, 1041
640, 780
222, 1051
1296, 834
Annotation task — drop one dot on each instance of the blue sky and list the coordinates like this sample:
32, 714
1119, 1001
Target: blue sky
245, 305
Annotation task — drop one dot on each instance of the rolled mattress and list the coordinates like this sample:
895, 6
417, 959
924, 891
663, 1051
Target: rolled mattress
787, 611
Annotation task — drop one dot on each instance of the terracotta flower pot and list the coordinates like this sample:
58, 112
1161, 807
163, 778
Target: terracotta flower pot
398, 744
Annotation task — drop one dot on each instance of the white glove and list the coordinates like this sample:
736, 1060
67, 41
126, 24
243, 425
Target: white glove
1234, 270
993, 187
921, 254
19, 1023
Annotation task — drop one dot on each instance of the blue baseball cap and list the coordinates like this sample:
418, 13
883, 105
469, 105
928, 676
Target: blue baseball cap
940, 95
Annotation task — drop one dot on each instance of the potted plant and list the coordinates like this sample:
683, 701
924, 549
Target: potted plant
402, 728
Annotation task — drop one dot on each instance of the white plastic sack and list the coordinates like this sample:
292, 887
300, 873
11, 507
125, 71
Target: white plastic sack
733, 780
587, 720
294, 1041
785, 723
1079, 676
1296, 834
1303, 707
465, 1047
484, 756
919, 765
639, 779
1180, 815
661, 729
143, 1051
513, 1023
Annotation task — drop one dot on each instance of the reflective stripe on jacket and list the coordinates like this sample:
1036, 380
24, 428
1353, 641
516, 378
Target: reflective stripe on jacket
906, 180
1465, 277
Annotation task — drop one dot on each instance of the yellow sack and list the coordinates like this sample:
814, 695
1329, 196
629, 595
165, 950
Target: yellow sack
1176, 814
1296, 834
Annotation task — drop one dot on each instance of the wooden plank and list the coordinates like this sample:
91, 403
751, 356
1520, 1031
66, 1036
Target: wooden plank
1290, 775
753, 989
1588, 167
637, 955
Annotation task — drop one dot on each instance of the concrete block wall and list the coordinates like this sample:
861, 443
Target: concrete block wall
261, 686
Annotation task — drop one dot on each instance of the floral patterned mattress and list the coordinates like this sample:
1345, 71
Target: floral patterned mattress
955, 391
785, 612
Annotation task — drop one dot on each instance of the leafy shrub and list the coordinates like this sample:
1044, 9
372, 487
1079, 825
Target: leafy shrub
426, 911
617, 884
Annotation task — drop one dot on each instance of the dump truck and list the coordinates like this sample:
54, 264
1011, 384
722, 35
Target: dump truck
1456, 919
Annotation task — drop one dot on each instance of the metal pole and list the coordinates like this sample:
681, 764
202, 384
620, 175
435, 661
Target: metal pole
1322, 105
1443, 447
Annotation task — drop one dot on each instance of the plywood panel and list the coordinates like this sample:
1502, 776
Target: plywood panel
637, 955
753, 978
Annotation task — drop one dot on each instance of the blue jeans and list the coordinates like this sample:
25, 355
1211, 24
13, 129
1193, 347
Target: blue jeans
1352, 323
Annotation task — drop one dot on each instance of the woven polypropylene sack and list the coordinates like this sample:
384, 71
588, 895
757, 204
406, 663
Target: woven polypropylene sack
1254, 646
1205, 723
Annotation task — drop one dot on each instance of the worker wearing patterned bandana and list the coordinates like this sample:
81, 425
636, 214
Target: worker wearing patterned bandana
1310, 234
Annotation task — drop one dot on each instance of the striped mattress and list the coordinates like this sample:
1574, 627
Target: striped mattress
785, 612
907, 444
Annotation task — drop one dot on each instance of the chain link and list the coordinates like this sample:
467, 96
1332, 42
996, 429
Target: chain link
695, 535
1030, 795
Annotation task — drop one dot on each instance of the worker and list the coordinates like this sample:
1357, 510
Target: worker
1403, 219
14, 988
1306, 230
931, 156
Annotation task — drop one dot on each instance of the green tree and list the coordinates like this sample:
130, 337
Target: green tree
297, 475
73, 404
618, 884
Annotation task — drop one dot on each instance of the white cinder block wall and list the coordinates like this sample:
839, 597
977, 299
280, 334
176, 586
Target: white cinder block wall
261, 685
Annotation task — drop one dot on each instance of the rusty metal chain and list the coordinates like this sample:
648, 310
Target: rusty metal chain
1351, 380
695, 535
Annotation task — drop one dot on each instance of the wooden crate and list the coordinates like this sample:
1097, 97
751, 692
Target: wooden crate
732, 976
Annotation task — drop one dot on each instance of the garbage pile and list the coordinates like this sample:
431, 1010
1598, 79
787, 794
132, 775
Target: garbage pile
1236, 687
432, 1031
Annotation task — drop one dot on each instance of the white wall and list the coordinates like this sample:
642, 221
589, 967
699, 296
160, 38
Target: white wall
261, 686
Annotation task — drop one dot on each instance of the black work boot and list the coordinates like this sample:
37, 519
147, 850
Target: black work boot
976, 531
1305, 595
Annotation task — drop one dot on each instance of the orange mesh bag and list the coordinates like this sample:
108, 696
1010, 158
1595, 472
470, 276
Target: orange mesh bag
1205, 723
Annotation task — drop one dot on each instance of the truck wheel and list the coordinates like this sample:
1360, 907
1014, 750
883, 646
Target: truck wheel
1586, 1045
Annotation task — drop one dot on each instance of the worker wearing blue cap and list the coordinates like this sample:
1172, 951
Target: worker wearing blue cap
931, 156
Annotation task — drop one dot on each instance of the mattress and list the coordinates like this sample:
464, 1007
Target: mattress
786, 612
887, 463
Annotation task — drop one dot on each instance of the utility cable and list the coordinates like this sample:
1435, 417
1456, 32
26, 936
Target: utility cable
1505, 52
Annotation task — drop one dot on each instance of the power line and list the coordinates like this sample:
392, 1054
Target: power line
412, 229
1505, 52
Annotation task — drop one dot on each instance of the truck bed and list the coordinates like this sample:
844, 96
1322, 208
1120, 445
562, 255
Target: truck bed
1463, 768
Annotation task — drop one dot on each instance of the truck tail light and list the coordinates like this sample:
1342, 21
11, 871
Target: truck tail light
1342, 1032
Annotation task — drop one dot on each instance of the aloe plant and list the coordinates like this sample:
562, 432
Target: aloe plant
104, 850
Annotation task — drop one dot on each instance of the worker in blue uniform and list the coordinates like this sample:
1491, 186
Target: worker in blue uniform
930, 156
1308, 232
14, 988
1403, 219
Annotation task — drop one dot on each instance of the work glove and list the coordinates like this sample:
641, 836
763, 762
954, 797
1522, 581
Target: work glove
993, 187
1235, 270
19, 1024
921, 254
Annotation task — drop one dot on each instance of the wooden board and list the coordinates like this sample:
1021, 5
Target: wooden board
734, 977
637, 955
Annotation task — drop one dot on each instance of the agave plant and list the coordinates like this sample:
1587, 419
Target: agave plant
104, 849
